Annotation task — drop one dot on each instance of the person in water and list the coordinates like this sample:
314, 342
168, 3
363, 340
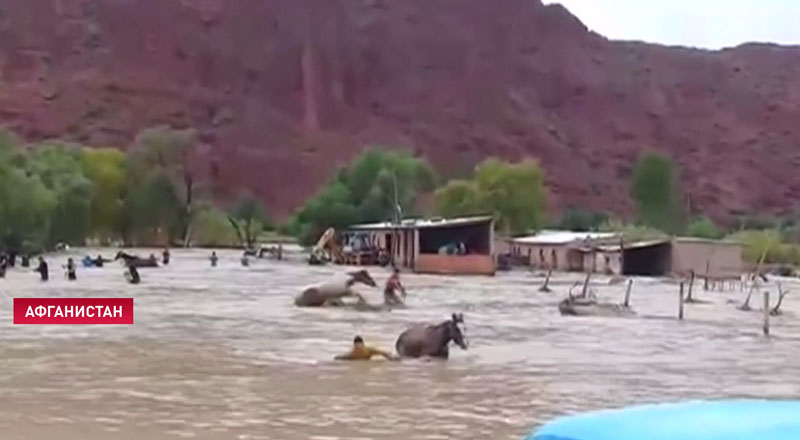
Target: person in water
214, 259
245, 260
363, 352
3, 265
43, 270
393, 285
71, 270
132, 275
98, 262
165, 256
26, 260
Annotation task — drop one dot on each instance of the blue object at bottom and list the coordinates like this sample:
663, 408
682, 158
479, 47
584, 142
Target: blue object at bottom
716, 420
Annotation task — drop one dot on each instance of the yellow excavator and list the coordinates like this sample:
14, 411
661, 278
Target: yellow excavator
326, 249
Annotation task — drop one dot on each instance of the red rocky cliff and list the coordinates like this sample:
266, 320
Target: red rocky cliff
282, 91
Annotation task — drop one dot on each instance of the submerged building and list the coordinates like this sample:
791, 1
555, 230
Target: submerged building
609, 253
438, 245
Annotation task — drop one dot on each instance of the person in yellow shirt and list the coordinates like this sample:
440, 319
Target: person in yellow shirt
362, 352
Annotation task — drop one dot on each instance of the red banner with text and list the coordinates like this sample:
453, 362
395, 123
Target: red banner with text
73, 311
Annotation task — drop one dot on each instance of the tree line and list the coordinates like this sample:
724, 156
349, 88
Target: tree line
516, 195
151, 194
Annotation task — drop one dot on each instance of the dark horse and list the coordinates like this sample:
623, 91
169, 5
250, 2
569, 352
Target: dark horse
133, 260
431, 340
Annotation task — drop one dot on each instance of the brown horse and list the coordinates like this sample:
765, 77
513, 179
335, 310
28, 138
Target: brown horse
431, 340
332, 292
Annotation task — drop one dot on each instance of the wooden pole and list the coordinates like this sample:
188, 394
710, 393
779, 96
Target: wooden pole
680, 303
545, 287
766, 313
691, 283
586, 285
627, 302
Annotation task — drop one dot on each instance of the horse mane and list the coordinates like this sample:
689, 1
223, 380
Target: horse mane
442, 325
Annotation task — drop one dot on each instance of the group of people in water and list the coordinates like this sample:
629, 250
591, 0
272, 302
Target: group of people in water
394, 294
70, 268
132, 264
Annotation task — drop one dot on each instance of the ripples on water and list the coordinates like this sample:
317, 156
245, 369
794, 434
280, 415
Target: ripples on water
222, 353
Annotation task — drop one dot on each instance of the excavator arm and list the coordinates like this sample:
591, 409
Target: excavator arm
327, 244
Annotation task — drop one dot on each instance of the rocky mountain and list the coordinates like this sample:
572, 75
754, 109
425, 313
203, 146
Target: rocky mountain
284, 91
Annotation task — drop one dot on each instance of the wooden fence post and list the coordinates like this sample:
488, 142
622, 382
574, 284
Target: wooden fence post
545, 287
766, 313
680, 303
691, 283
627, 302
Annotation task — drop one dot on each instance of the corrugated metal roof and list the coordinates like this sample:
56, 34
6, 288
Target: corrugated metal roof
423, 223
554, 237
632, 245
725, 241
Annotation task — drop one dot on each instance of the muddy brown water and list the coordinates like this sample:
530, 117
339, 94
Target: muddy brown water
222, 353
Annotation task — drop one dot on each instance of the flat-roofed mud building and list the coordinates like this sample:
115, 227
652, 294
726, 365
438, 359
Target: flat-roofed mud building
441, 246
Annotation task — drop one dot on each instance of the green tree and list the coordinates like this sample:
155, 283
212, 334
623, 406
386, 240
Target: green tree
169, 152
105, 168
151, 205
59, 168
26, 209
333, 207
704, 228
377, 177
459, 197
248, 218
365, 191
655, 192
514, 192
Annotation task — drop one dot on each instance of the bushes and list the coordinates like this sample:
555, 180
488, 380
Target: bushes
767, 244
582, 221
704, 228
211, 228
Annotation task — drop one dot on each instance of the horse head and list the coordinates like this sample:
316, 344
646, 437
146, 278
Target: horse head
119, 255
362, 276
454, 332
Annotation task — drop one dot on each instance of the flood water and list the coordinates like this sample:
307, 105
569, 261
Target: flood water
222, 353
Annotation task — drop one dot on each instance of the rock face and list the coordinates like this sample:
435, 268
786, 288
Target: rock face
283, 91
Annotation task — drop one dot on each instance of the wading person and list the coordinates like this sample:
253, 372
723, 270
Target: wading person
71, 276
44, 272
362, 352
213, 258
132, 275
3, 265
393, 285
245, 260
165, 256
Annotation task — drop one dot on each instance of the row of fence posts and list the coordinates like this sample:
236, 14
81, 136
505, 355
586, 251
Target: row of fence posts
682, 301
